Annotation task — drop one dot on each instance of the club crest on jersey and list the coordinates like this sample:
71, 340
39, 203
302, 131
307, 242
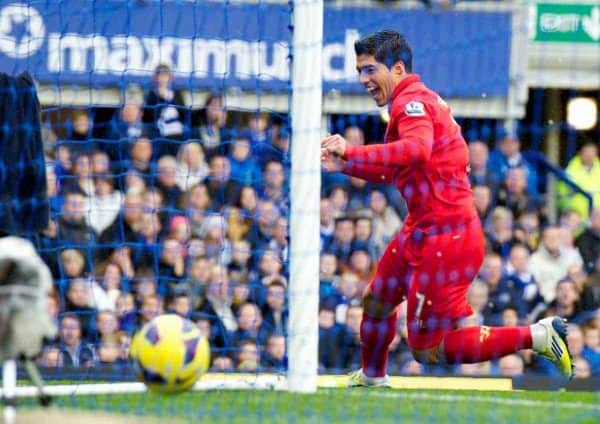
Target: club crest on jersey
415, 109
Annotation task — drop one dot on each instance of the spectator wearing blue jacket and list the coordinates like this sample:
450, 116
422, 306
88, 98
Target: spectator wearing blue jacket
508, 155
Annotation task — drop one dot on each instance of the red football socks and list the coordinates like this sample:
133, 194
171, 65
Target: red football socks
376, 334
479, 344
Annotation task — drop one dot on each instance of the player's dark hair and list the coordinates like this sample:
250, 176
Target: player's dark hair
387, 46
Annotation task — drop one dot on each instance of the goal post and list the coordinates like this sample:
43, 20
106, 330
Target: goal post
306, 107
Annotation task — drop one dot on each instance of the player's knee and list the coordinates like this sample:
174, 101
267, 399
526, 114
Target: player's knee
376, 308
427, 356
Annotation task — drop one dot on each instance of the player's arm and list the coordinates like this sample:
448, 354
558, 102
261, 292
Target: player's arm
413, 147
368, 172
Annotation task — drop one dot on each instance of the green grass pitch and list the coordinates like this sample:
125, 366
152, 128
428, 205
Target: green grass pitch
346, 406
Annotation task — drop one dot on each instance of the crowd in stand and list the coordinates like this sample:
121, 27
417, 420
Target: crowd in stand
175, 210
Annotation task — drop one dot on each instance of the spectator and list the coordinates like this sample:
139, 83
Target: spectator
274, 356
73, 351
591, 337
363, 235
588, 242
328, 277
326, 219
164, 110
249, 325
166, 181
584, 170
279, 240
261, 232
339, 199
172, 262
580, 351
590, 298
513, 192
483, 201
216, 244
217, 305
180, 304
126, 312
212, 130
222, 189
79, 138
53, 192
73, 231
197, 204
550, 263
123, 231
511, 366
527, 229
343, 236
566, 301
274, 311
150, 308
107, 325
82, 179
480, 174
386, 221
349, 290
273, 187
140, 159
499, 232
125, 127
72, 263
107, 288
244, 167
508, 155
248, 356
502, 292
191, 166
478, 299
517, 272
334, 340
105, 204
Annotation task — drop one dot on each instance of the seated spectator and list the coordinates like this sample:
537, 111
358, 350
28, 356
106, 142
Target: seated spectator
363, 235
172, 263
107, 325
349, 290
80, 300
518, 272
140, 159
150, 308
582, 368
248, 202
362, 265
191, 166
105, 204
550, 262
72, 263
483, 202
249, 325
499, 232
508, 155
73, 350
590, 298
513, 193
82, 179
352, 321
214, 236
588, 242
274, 358
591, 337
279, 238
481, 175
274, 311
584, 170
339, 200
511, 366
502, 292
527, 229
478, 300
579, 350
244, 167
212, 131
164, 110
180, 303
248, 356
166, 181
273, 186
107, 287
326, 219
53, 192
79, 140
343, 236
566, 302
146, 251
197, 205
333, 341
221, 188
261, 232
126, 312
217, 308
386, 221
124, 127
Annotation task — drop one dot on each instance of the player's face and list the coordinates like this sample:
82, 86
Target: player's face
376, 78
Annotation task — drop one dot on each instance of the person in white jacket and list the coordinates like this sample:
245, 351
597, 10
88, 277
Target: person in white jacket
551, 261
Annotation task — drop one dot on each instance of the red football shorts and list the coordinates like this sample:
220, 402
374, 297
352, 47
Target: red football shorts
433, 270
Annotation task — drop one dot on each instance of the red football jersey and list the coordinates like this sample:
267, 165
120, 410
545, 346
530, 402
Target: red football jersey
424, 155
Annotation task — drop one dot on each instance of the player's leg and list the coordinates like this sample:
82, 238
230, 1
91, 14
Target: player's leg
437, 300
378, 325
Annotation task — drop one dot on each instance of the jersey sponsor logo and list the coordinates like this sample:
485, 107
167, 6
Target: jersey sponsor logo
415, 109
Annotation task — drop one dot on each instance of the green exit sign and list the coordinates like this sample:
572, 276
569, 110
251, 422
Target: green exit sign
567, 23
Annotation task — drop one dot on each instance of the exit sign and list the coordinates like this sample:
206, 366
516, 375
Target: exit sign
567, 23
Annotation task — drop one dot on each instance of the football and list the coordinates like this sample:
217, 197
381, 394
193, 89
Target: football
170, 353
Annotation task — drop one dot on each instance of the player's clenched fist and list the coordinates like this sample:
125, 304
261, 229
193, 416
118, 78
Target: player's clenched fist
334, 144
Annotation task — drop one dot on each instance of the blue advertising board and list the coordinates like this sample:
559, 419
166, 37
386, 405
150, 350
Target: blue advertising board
212, 45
